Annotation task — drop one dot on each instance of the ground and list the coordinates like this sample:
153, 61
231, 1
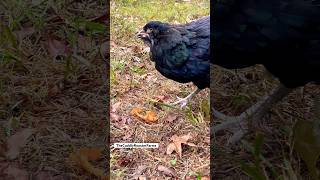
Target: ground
54, 94
135, 83
275, 157
53, 87
267, 152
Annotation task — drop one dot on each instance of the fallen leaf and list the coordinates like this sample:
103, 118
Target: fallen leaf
137, 173
149, 116
17, 141
56, 46
167, 171
171, 147
82, 157
177, 142
171, 117
16, 173
161, 98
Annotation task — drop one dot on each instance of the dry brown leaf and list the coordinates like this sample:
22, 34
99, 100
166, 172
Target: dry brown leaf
171, 147
160, 98
82, 157
149, 116
171, 117
16, 173
17, 141
137, 173
177, 142
167, 171
56, 46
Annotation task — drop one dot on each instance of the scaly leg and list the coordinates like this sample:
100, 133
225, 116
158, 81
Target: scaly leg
239, 124
183, 101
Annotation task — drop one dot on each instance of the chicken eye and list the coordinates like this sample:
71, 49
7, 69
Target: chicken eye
150, 30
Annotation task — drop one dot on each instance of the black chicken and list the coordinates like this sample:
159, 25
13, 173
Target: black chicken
180, 52
283, 35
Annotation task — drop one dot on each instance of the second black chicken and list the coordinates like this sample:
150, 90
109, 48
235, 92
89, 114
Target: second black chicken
181, 52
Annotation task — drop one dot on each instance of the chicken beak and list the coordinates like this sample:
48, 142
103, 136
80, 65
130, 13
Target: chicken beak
142, 35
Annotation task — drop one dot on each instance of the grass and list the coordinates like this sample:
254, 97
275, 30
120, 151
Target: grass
136, 83
63, 99
274, 157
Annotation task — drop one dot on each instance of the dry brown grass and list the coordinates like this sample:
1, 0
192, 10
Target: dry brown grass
277, 127
67, 108
134, 82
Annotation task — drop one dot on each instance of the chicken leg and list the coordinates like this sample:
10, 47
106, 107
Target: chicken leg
183, 101
239, 124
